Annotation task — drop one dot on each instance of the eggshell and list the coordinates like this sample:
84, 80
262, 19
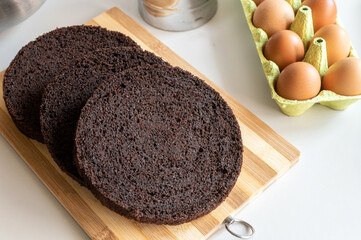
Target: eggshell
337, 42
258, 2
271, 70
273, 16
299, 81
344, 77
324, 12
283, 48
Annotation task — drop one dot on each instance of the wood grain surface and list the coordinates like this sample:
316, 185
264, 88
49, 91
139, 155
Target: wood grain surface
267, 156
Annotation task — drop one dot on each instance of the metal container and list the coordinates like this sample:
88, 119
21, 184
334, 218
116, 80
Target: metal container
14, 11
177, 15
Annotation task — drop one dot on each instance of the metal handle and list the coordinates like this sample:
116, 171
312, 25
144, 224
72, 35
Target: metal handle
230, 220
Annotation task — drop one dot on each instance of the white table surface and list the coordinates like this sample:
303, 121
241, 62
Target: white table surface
320, 198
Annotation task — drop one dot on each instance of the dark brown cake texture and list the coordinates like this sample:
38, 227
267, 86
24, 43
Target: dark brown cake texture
37, 63
64, 98
157, 144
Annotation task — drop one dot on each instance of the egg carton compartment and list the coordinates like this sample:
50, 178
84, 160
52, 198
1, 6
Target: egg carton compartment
271, 70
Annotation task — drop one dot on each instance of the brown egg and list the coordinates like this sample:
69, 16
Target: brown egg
284, 48
324, 12
299, 81
273, 16
337, 42
344, 77
258, 2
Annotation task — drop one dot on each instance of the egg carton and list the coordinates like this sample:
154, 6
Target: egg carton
316, 55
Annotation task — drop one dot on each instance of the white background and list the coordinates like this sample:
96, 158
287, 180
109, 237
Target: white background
320, 198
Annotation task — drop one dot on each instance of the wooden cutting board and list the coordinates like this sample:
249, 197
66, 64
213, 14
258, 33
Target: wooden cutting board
266, 157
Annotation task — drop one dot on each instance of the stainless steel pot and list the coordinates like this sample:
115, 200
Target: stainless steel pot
177, 15
14, 11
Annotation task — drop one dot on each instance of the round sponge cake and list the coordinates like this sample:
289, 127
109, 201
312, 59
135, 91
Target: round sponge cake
157, 144
64, 98
39, 62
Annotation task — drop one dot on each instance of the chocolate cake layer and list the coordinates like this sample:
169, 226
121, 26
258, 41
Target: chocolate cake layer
64, 98
157, 144
37, 63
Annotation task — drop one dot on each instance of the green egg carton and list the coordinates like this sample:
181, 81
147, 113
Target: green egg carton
315, 55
